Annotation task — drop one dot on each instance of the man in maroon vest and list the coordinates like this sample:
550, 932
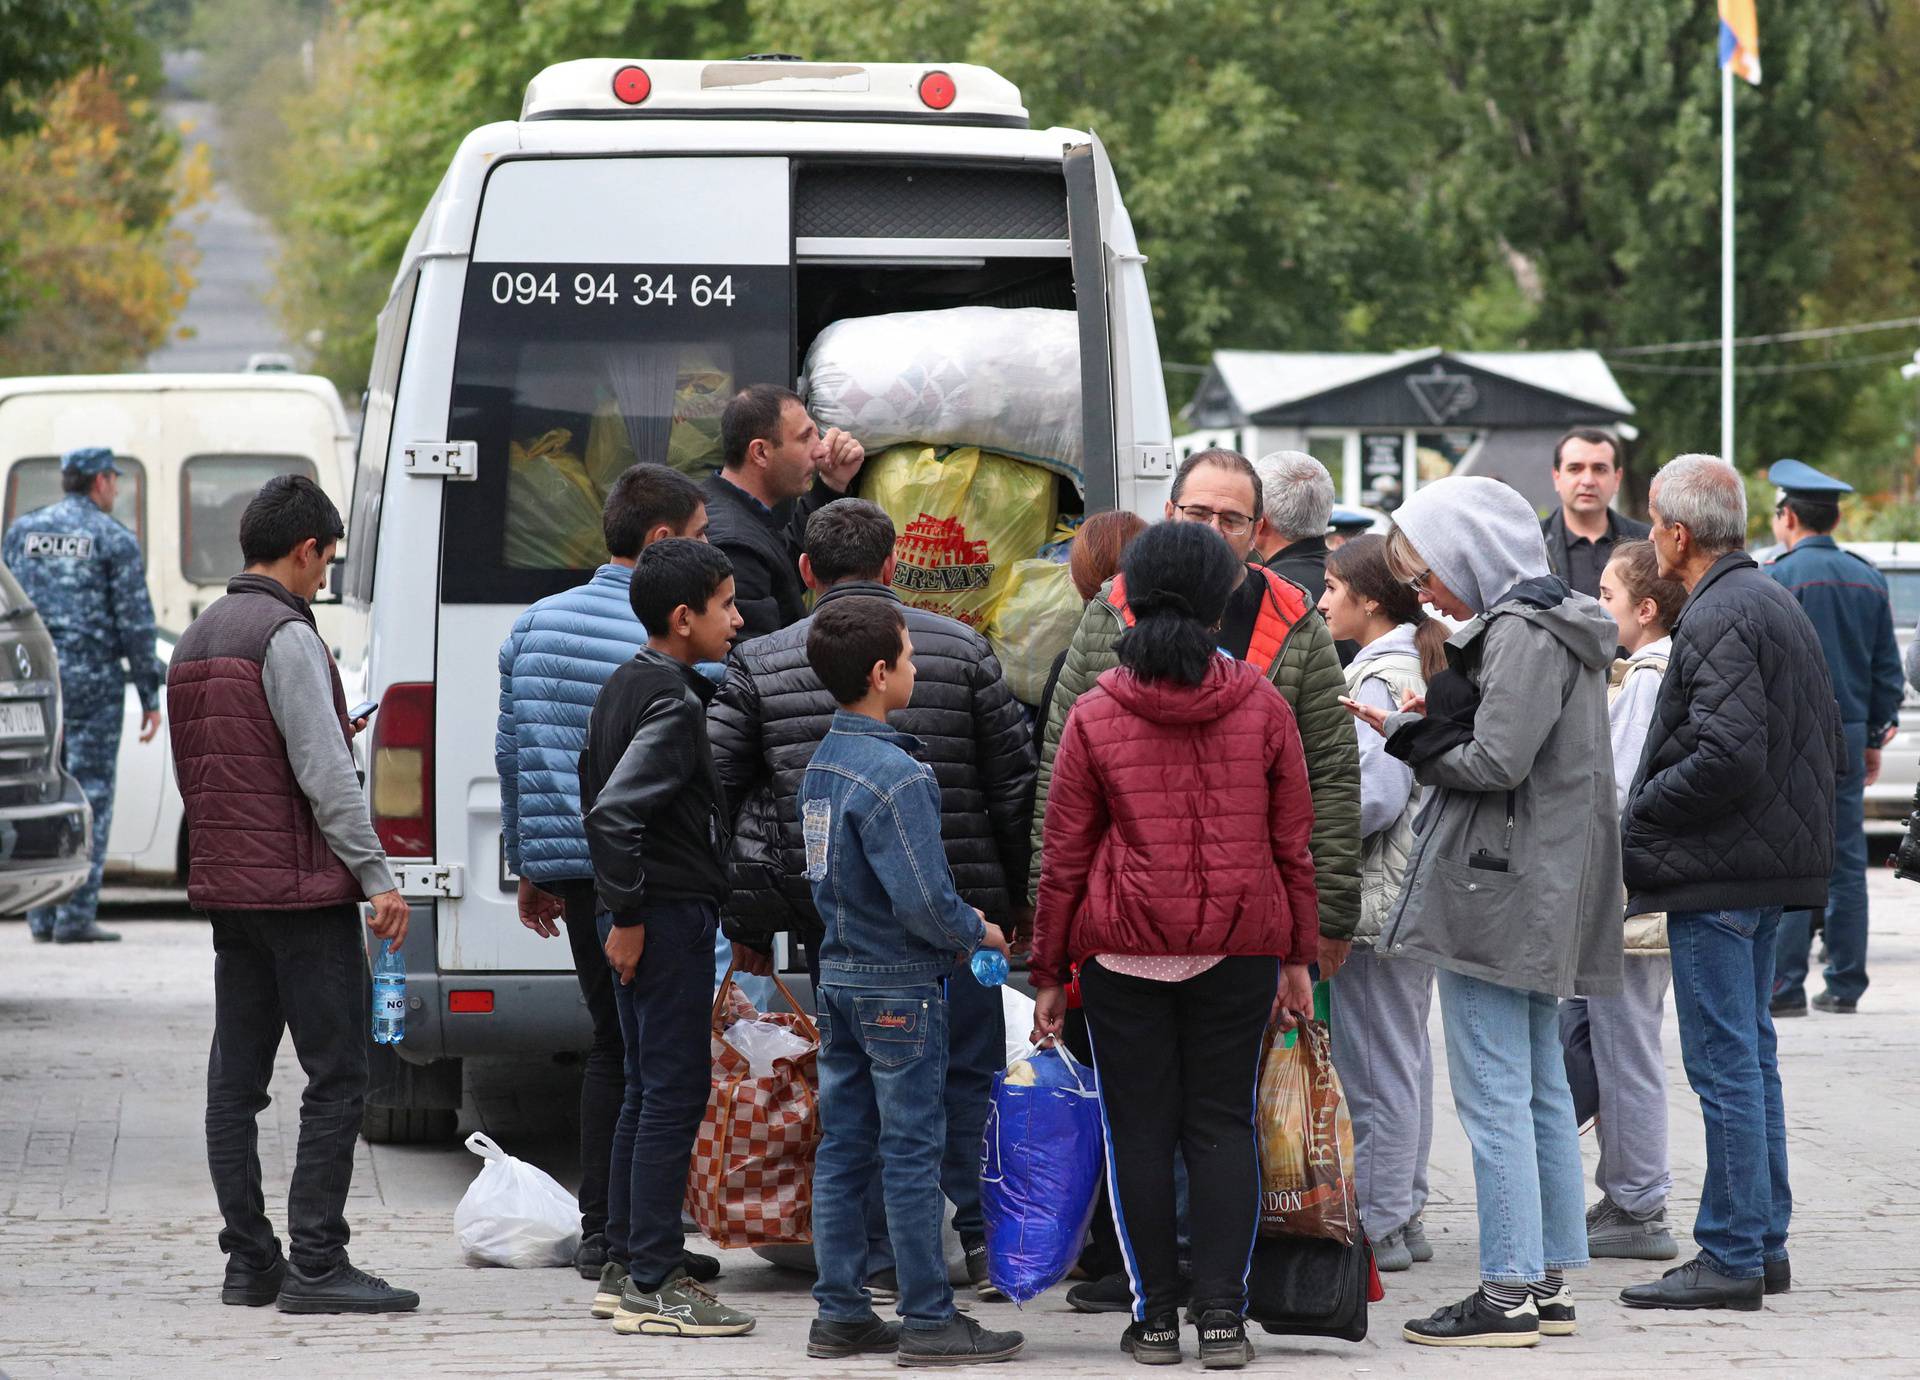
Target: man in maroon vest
280, 855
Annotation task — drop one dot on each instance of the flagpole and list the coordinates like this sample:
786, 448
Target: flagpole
1726, 263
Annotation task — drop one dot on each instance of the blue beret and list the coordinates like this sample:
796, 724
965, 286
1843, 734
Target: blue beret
88, 460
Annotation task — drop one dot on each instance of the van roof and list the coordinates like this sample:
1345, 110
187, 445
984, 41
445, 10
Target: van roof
446, 226
311, 384
774, 86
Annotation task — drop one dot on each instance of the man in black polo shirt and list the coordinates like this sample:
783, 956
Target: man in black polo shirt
776, 469
1583, 531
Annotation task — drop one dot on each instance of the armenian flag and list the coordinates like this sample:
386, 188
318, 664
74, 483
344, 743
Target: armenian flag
1740, 39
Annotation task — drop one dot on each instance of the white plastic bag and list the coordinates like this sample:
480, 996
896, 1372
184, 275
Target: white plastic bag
514, 1214
762, 1042
1005, 379
1017, 1007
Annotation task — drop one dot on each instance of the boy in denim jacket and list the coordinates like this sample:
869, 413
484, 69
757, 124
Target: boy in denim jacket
896, 931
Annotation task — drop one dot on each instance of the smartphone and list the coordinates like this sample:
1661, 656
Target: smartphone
362, 710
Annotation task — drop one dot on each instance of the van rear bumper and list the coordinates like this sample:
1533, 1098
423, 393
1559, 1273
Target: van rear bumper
533, 1013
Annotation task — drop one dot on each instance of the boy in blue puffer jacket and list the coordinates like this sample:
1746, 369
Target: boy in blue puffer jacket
552, 665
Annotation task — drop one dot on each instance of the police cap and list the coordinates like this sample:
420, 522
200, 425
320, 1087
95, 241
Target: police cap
1796, 479
88, 460
1350, 522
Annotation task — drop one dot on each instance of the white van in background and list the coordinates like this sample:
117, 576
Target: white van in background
192, 449
588, 285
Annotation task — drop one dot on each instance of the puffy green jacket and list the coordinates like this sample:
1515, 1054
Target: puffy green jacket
1307, 673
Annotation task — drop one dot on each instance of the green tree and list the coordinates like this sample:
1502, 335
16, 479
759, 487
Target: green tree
91, 200
42, 43
398, 84
1272, 155
1589, 145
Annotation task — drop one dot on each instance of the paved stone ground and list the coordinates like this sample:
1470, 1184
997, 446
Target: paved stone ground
107, 1223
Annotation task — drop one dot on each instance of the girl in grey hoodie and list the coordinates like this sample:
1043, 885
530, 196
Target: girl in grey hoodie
1513, 885
1380, 1003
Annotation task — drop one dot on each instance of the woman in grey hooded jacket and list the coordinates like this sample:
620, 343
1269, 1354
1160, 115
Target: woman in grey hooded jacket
1513, 887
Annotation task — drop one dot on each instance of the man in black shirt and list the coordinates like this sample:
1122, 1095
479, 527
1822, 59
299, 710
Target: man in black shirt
1583, 531
777, 468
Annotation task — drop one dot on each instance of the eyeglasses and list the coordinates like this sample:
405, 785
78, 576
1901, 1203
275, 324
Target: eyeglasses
1228, 524
1418, 584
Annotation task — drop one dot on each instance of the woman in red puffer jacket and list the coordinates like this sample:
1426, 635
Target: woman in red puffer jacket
1175, 871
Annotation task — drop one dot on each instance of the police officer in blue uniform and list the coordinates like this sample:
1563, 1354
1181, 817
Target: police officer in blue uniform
83, 570
1847, 600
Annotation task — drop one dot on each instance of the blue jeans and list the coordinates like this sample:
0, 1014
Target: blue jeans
91, 745
976, 1046
1846, 917
665, 1021
883, 1066
1510, 1089
1722, 977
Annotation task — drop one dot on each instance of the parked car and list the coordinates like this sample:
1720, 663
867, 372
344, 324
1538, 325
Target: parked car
1890, 799
45, 826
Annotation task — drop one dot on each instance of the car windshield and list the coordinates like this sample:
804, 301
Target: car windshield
1904, 588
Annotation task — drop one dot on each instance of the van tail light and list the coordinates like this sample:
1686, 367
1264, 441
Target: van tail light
402, 772
632, 85
937, 90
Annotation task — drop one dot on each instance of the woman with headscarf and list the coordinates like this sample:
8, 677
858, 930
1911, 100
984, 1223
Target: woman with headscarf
1513, 886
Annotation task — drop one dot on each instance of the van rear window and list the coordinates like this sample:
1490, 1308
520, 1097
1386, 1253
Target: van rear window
35, 482
214, 492
568, 373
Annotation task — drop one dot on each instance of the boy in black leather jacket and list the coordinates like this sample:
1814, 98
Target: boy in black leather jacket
658, 837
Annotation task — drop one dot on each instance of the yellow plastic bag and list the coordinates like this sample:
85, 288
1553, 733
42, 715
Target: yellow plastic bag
700, 395
553, 506
1033, 623
1306, 1141
962, 518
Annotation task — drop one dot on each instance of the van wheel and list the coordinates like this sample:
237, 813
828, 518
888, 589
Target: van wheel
408, 1125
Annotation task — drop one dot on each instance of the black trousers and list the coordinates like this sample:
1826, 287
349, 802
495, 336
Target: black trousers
303, 971
1179, 1063
1100, 1257
603, 1081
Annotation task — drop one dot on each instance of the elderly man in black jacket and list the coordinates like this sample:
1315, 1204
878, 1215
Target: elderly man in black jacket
1729, 820
765, 723
777, 468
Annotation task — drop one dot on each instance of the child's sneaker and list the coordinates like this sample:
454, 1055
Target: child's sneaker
984, 1288
606, 1296
1155, 1342
1223, 1340
1415, 1234
680, 1307
883, 1286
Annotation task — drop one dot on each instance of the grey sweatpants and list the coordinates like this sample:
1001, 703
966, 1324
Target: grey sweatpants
1623, 1035
1385, 1063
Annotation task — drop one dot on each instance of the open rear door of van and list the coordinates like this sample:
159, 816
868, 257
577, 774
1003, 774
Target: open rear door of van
611, 307
1129, 434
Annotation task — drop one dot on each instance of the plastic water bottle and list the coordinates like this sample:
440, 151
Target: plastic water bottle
989, 967
389, 997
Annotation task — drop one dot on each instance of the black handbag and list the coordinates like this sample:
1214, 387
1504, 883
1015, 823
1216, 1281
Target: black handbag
1303, 1286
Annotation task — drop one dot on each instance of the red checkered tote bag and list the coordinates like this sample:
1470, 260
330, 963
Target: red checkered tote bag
751, 1182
